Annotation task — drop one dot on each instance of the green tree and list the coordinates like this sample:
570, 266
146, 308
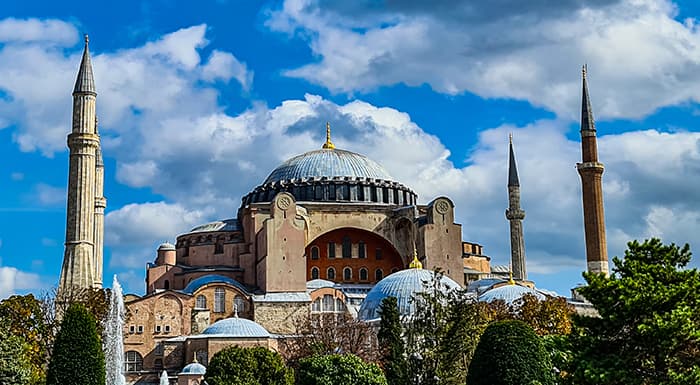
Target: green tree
15, 365
648, 331
510, 353
248, 366
77, 357
25, 316
338, 369
392, 343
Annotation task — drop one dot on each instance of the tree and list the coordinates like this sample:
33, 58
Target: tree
391, 340
549, 316
15, 365
248, 366
24, 316
510, 352
77, 357
648, 331
338, 369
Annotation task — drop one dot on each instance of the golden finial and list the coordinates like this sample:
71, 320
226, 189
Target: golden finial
87, 39
415, 264
510, 274
329, 145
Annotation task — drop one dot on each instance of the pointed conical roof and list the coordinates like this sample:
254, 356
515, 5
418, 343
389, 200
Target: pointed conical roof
512, 167
587, 122
85, 83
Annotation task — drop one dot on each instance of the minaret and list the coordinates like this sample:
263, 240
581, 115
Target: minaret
515, 216
591, 172
100, 204
79, 265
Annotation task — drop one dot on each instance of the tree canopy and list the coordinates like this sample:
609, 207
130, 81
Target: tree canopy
648, 331
15, 366
391, 342
508, 353
248, 366
338, 369
77, 357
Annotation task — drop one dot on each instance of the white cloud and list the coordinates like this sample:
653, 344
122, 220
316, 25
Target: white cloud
224, 66
34, 30
504, 50
17, 176
13, 280
48, 195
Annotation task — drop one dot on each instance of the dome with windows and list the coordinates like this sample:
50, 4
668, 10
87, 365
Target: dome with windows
237, 328
331, 174
509, 293
194, 368
403, 285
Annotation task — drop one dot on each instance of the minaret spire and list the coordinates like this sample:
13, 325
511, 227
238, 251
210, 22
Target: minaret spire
80, 267
515, 216
328, 145
591, 172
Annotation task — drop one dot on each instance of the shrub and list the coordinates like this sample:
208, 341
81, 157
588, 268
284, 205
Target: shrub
338, 369
248, 366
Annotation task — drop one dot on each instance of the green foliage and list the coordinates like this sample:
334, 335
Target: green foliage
392, 343
648, 331
15, 365
338, 369
24, 316
248, 366
509, 353
77, 357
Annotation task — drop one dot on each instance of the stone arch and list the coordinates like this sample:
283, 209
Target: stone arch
405, 238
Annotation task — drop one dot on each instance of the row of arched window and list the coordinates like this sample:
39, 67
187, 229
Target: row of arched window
363, 274
239, 303
346, 250
328, 304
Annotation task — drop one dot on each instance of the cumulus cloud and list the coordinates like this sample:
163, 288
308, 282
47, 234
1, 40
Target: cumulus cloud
501, 49
13, 280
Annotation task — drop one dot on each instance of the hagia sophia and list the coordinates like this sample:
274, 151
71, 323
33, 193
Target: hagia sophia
328, 231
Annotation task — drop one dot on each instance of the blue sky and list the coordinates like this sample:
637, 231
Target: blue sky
198, 103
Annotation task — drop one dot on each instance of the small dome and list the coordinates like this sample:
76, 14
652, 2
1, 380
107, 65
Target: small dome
508, 293
328, 163
318, 284
166, 246
194, 368
403, 285
481, 285
212, 278
237, 328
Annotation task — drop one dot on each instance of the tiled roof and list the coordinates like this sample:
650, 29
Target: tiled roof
236, 328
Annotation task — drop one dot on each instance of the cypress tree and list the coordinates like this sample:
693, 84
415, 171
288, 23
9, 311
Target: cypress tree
510, 353
392, 343
77, 357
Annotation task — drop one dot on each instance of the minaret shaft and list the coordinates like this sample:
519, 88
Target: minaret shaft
515, 216
591, 172
83, 208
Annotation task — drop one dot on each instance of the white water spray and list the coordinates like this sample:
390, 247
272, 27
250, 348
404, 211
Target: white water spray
114, 339
164, 378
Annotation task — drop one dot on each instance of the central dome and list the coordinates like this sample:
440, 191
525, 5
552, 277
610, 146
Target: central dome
329, 163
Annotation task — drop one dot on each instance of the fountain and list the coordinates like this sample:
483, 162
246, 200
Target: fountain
113, 345
164, 378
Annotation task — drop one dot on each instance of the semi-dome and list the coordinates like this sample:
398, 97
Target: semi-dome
328, 163
194, 368
403, 285
237, 328
509, 293
195, 284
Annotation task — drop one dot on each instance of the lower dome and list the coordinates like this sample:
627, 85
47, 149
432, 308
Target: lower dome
403, 285
237, 328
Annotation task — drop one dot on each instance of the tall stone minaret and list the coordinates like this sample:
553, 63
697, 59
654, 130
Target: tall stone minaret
80, 267
100, 204
515, 216
591, 172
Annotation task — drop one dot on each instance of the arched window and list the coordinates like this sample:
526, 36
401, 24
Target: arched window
201, 302
314, 273
330, 273
133, 362
202, 356
219, 246
347, 273
347, 247
339, 305
316, 305
361, 250
328, 303
331, 249
314, 252
239, 302
363, 274
378, 274
166, 285
219, 300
